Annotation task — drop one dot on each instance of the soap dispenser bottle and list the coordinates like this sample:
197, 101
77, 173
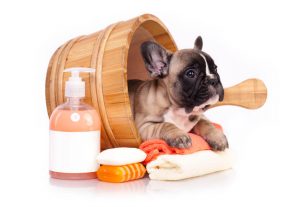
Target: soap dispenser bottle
74, 133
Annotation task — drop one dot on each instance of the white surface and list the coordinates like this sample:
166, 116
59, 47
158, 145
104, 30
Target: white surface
246, 38
121, 156
178, 167
73, 152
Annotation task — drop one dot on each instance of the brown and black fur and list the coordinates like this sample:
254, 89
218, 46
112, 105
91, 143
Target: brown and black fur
179, 83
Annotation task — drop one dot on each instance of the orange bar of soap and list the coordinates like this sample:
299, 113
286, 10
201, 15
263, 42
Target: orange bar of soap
119, 174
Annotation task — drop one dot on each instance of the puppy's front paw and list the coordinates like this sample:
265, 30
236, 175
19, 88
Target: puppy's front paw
216, 140
179, 141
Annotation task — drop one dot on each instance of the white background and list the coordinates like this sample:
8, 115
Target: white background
247, 39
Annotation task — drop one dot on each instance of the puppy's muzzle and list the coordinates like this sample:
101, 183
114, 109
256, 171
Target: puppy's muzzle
216, 88
213, 82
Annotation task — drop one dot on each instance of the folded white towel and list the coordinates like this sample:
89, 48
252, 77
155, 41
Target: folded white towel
121, 156
177, 167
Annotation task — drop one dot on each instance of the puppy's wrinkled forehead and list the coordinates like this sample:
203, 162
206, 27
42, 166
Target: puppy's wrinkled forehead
185, 58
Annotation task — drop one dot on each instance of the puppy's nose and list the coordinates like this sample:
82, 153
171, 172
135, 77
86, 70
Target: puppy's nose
213, 81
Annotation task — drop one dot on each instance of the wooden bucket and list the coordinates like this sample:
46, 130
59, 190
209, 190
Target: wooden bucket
115, 54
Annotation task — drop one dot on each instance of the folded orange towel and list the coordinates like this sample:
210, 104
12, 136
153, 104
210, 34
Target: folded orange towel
155, 147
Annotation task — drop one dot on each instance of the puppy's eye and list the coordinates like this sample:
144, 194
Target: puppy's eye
190, 73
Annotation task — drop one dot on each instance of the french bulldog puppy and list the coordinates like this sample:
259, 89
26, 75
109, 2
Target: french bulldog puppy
183, 85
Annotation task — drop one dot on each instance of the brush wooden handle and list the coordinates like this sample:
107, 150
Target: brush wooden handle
249, 94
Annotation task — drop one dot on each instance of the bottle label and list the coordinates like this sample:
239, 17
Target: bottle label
74, 152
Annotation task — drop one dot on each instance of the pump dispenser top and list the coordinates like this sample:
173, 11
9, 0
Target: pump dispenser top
75, 86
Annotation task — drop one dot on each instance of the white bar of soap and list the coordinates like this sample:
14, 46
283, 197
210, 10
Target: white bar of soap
121, 156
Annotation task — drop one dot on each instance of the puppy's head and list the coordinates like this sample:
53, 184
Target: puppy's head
190, 74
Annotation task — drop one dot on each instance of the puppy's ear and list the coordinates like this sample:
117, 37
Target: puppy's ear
156, 59
198, 43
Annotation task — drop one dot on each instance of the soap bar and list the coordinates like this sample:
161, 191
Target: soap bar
119, 174
121, 156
